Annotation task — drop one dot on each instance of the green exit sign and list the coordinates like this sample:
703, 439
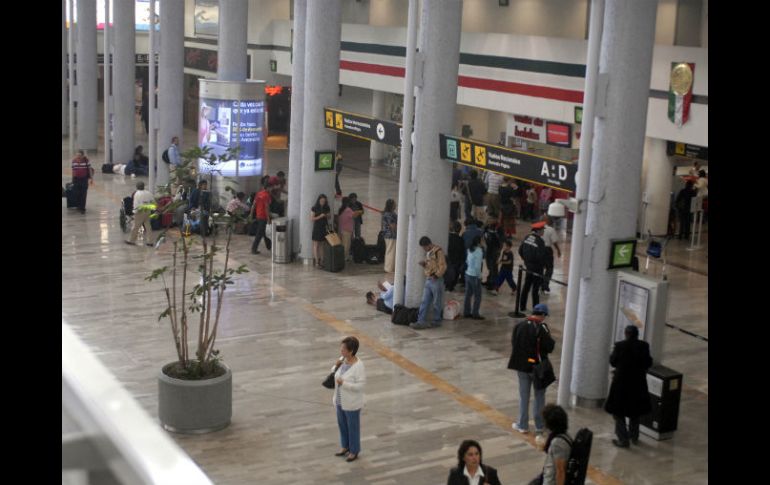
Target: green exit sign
578, 114
622, 252
273, 66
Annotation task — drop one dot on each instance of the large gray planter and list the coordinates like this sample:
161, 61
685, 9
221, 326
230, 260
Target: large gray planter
195, 407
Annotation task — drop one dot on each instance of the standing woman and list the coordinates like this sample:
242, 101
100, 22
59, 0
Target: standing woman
349, 379
473, 279
507, 208
389, 225
469, 467
557, 447
347, 224
319, 214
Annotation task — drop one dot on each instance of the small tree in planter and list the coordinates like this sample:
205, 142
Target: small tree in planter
194, 382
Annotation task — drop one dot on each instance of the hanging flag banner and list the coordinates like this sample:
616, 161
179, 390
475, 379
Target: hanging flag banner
680, 92
530, 167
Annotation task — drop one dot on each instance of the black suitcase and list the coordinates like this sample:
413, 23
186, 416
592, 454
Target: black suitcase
69, 192
334, 257
372, 254
107, 168
358, 249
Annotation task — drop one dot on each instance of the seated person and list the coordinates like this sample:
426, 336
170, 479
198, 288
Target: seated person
385, 302
237, 205
195, 195
139, 164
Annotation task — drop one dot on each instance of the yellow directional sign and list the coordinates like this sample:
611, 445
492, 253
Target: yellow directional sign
481, 156
338, 116
465, 151
330, 119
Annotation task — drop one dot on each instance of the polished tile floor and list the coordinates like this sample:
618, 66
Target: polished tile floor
426, 391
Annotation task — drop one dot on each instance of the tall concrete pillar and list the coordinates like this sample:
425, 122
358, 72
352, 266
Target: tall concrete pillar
124, 117
87, 113
657, 183
377, 150
435, 103
231, 58
704, 25
64, 103
293, 210
615, 188
322, 76
170, 79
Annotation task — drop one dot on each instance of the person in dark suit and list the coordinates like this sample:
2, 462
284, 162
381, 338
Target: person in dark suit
628, 392
470, 467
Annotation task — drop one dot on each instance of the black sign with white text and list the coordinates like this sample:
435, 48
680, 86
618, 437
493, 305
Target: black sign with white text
362, 126
547, 171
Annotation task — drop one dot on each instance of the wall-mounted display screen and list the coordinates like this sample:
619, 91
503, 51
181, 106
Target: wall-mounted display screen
229, 123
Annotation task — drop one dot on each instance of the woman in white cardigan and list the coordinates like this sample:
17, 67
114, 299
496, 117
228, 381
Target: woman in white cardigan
350, 379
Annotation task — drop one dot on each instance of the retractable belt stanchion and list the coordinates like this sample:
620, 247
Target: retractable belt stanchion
516, 313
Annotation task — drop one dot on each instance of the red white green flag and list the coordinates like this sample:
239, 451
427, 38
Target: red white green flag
680, 92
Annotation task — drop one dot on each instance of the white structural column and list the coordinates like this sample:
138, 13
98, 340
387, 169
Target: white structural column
658, 180
64, 106
435, 106
377, 150
170, 79
231, 57
152, 100
293, 210
615, 184
87, 111
124, 117
322, 75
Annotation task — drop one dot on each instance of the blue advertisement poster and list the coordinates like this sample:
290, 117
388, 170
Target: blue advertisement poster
229, 123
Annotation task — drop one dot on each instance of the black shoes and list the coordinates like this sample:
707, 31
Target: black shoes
341, 453
477, 317
620, 444
131, 243
351, 458
255, 252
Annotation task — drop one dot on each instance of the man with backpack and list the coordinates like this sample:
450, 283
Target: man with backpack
171, 154
531, 342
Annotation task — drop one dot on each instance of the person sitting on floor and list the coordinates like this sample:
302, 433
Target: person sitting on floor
385, 302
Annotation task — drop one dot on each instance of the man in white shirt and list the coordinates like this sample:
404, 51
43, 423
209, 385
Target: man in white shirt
551, 240
494, 180
144, 205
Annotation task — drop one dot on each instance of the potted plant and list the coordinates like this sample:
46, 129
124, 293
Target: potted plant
195, 390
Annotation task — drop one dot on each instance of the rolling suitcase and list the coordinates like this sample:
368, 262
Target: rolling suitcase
358, 249
69, 192
334, 257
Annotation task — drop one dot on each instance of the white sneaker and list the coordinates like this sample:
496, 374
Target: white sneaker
515, 426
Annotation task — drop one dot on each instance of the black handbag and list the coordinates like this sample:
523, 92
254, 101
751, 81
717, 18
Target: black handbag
329, 381
542, 372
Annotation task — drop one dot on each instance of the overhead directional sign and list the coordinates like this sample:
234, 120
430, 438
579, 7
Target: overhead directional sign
551, 172
622, 253
362, 126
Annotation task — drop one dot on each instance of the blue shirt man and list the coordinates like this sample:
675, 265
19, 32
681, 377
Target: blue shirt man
471, 231
173, 152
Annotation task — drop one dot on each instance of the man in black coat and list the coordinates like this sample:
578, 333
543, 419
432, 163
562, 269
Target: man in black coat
628, 391
532, 251
524, 354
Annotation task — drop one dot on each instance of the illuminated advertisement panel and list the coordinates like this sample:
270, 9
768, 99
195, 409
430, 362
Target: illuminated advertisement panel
229, 123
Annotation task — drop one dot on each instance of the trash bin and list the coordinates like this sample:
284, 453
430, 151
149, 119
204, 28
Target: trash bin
665, 389
281, 239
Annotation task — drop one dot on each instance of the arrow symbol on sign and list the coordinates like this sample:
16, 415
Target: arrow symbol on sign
623, 251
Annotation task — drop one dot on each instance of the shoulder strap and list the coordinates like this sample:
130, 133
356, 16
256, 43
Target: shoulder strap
565, 438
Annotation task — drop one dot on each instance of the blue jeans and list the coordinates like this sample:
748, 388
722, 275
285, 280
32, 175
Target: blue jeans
349, 423
525, 382
433, 292
472, 289
505, 275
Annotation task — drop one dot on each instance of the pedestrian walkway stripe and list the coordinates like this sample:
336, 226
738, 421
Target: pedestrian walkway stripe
496, 417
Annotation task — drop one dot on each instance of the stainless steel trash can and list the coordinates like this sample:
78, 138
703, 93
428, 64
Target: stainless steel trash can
281, 239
